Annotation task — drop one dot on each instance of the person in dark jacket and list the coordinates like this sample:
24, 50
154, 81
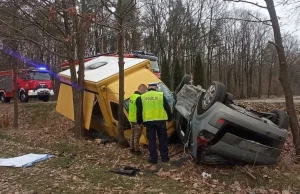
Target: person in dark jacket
153, 111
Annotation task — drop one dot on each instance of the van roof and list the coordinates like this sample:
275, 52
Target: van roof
103, 67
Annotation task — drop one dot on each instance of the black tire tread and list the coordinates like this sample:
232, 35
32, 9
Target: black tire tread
283, 118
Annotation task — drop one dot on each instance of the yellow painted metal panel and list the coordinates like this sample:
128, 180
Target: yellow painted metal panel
65, 104
88, 101
65, 101
131, 83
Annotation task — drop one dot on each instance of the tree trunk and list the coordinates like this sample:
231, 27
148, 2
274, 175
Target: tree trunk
270, 80
16, 107
121, 138
283, 75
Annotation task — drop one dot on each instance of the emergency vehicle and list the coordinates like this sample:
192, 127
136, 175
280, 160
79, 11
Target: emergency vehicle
32, 83
133, 54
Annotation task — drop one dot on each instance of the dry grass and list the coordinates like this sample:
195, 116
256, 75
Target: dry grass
81, 166
4, 121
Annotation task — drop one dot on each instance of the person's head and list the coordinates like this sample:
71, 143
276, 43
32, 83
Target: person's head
152, 86
142, 88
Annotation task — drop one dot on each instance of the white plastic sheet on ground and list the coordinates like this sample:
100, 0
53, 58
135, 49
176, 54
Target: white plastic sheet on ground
24, 161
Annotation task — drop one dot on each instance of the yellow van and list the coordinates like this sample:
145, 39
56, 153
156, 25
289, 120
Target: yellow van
100, 103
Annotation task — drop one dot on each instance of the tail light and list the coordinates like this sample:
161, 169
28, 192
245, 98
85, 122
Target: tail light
204, 138
280, 145
202, 141
221, 121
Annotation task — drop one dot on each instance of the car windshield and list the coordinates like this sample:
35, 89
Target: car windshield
161, 87
154, 66
167, 93
37, 75
126, 104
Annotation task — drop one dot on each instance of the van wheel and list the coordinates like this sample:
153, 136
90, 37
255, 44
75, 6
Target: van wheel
23, 97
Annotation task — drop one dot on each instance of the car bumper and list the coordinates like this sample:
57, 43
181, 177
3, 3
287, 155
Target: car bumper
239, 149
40, 92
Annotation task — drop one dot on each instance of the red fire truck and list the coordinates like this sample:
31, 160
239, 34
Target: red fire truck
134, 54
32, 83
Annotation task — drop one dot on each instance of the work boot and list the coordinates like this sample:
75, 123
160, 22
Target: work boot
165, 160
138, 153
132, 151
152, 161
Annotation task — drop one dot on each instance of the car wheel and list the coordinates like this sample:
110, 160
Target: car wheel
23, 97
185, 80
215, 93
228, 98
283, 119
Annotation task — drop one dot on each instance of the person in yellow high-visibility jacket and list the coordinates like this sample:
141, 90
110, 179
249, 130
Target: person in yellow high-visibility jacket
153, 111
132, 117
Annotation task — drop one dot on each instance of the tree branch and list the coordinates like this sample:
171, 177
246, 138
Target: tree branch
262, 21
105, 5
242, 1
273, 43
29, 39
238, 19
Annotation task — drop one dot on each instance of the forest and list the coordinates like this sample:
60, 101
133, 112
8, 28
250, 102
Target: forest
211, 39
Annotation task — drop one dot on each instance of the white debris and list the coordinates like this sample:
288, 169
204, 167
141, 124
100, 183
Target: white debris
206, 175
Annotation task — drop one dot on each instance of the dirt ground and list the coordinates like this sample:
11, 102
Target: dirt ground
82, 166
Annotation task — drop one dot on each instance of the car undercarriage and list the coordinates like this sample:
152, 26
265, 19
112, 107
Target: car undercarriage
216, 130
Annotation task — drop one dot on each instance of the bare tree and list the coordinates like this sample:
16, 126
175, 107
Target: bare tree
283, 70
123, 7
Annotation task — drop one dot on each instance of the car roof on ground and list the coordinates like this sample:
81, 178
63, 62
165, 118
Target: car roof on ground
103, 67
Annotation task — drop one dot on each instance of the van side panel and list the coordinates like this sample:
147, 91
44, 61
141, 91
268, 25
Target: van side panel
65, 101
88, 101
131, 82
65, 104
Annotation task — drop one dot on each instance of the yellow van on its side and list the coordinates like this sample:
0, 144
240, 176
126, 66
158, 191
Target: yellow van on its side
100, 103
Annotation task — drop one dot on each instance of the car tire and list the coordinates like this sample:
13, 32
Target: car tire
23, 97
185, 80
283, 118
216, 92
228, 98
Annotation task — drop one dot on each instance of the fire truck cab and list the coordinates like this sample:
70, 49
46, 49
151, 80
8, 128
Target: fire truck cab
31, 83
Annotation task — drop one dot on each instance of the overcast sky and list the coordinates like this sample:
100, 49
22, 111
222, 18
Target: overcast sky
288, 19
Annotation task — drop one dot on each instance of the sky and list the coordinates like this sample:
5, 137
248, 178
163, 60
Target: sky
288, 19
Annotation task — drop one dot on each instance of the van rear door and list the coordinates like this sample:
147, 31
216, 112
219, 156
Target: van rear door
65, 104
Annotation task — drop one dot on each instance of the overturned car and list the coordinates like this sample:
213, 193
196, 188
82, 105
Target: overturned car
216, 130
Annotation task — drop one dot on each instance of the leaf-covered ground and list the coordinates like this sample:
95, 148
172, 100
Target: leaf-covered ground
82, 166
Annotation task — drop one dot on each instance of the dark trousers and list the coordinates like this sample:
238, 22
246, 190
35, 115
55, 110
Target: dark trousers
159, 128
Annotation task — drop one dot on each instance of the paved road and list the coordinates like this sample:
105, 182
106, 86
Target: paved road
273, 100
